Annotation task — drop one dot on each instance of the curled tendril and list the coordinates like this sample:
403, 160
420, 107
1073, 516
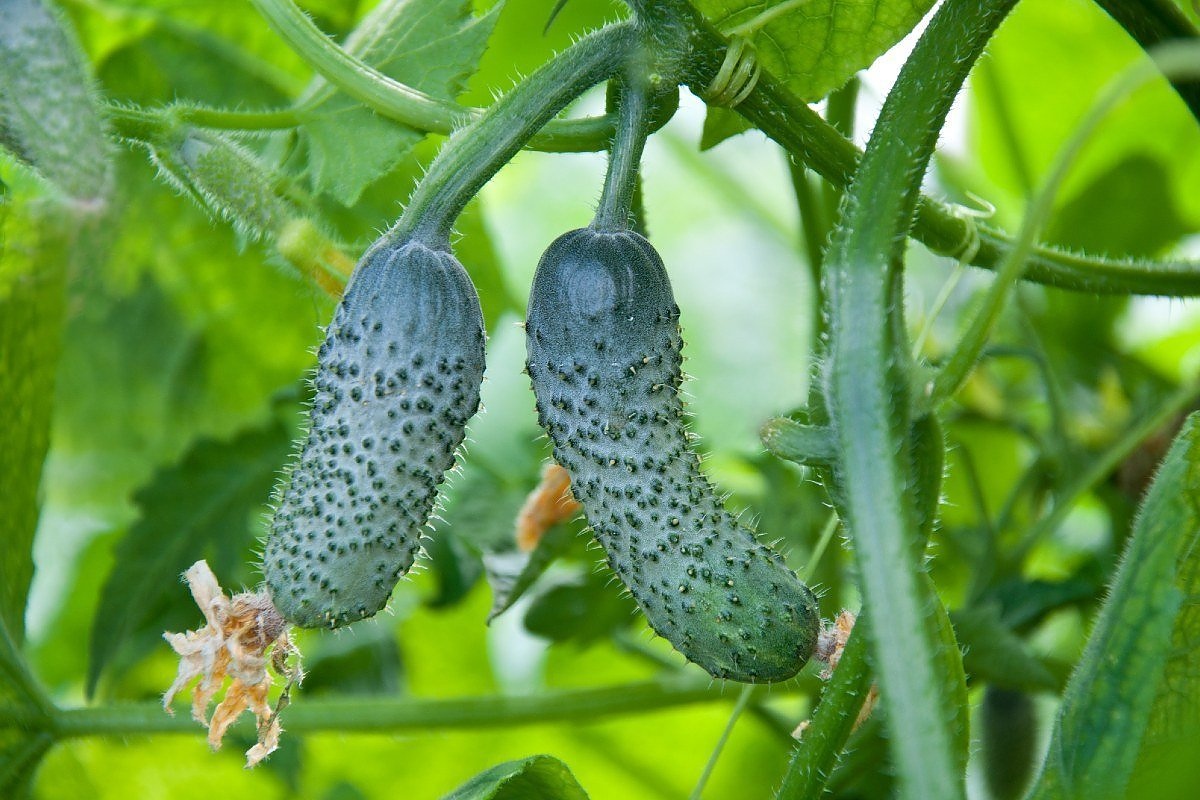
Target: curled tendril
965, 253
737, 77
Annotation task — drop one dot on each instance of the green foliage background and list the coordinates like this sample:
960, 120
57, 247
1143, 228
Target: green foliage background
182, 344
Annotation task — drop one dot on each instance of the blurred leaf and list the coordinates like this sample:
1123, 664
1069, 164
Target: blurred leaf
159, 51
34, 250
533, 778
1025, 603
994, 654
367, 663
431, 45
478, 254
785, 33
201, 506
1024, 109
1098, 219
455, 569
1129, 660
49, 114
511, 573
581, 610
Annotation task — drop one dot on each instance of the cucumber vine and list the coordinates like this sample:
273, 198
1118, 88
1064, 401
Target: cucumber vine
399, 376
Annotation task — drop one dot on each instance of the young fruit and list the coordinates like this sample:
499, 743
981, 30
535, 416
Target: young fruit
604, 357
397, 379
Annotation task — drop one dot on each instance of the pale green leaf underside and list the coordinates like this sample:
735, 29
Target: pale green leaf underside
815, 46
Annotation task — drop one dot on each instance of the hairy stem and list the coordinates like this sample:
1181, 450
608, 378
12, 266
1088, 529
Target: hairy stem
625, 155
406, 713
475, 153
403, 103
832, 722
866, 391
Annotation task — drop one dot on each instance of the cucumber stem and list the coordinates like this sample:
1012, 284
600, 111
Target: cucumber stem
474, 154
625, 155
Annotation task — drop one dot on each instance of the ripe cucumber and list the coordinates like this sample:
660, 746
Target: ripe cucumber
397, 379
604, 357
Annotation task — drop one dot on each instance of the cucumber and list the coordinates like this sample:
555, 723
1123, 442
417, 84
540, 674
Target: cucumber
397, 379
604, 355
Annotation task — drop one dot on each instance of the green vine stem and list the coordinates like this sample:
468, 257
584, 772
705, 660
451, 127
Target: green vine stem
475, 153
625, 155
392, 714
403, 103
832, 722
866, 387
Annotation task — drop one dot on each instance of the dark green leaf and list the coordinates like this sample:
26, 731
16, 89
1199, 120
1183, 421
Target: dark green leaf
581, 610
203, 505
533, 778
511, 573
996, 655
367, 663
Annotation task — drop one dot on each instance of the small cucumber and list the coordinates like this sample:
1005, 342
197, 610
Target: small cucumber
397, 379
604, 357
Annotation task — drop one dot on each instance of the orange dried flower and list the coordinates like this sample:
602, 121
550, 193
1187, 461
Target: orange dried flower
546, 506
243, 633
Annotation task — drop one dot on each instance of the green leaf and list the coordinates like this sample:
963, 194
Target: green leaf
815, 46
581, 610
33, 261
511, 573
1166, 765
49, 115
533, 778
431, 45
1134, 673
203, 505
996, 655
721, 124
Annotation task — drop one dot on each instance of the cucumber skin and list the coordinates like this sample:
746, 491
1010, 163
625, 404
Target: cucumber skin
604, 355
397, 379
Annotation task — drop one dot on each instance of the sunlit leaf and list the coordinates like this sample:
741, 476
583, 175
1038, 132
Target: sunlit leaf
815, 46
